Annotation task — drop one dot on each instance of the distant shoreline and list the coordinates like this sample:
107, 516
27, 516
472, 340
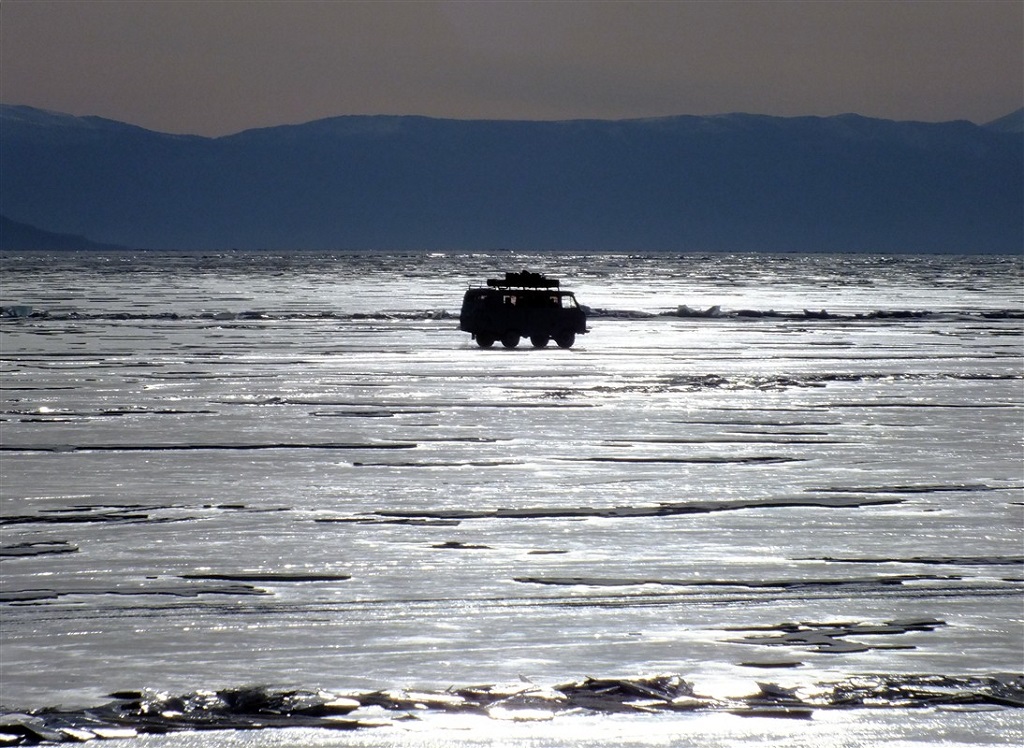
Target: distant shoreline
734, 183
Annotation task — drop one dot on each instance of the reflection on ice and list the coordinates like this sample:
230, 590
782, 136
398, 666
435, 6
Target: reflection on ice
221, 470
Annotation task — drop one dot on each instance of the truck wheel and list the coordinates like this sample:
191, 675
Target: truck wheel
565, 339
485, 341
539, 341
510, 339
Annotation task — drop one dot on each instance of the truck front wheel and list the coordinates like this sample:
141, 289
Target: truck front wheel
510, 339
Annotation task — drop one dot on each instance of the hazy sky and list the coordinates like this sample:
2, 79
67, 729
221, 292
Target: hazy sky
208, 67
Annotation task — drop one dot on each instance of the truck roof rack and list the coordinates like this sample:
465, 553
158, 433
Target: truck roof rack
525, 279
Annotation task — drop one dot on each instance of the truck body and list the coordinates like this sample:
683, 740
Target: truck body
522, 305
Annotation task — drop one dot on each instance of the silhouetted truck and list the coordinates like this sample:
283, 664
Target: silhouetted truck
522, 305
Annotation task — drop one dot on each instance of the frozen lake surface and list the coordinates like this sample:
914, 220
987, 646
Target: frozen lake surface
223, 470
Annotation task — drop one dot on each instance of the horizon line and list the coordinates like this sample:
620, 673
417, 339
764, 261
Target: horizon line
57, 112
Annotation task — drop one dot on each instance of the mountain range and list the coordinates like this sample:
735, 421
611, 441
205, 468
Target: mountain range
737, 182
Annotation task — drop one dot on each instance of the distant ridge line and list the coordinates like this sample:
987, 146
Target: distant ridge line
1011, 122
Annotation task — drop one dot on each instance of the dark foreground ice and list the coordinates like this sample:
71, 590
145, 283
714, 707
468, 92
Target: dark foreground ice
260, 708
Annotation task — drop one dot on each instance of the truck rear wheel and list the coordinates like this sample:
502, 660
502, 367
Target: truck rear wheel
565, 339
484, 341
539, 341
510, 339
